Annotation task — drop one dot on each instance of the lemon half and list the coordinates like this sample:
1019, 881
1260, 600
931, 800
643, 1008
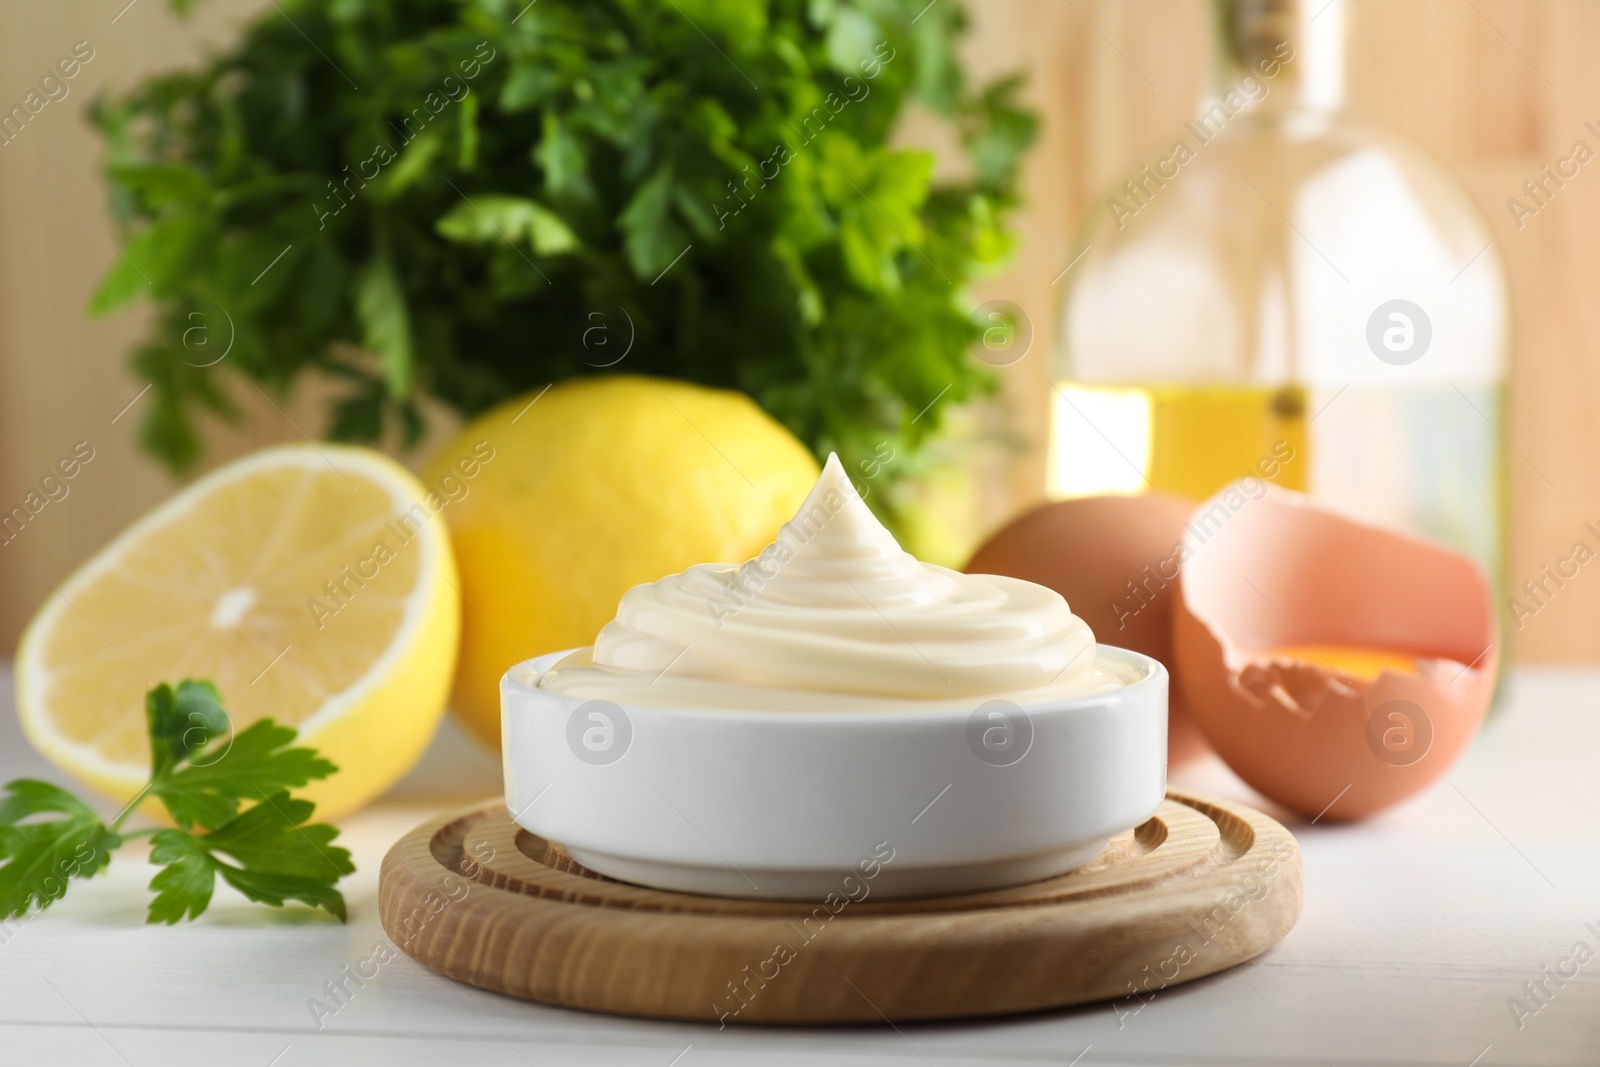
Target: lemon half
314, 584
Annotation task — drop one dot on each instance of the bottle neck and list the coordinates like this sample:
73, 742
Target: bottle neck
1281, 56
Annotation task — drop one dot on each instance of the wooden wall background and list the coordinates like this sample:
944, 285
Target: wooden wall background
1496, 87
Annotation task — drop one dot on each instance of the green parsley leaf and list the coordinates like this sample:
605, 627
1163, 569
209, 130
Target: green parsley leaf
42, 857
281, 859
245, 766
487, 219
270, 838
202, 772
278, 859
181, 722
274, 889
385, 324
183, 885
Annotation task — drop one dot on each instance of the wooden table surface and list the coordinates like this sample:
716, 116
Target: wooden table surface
1419, 927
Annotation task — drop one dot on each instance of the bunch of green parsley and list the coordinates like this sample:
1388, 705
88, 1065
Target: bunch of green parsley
203, 773
452, 198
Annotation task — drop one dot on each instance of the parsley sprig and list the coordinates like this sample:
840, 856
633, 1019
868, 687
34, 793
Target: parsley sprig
203, 773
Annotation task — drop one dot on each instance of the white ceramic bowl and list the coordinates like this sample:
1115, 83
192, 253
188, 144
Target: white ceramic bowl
798, 805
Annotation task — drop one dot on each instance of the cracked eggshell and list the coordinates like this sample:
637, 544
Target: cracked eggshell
1266, 568
1115, 560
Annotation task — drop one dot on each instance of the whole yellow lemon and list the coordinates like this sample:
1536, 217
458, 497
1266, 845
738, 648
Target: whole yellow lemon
562, 500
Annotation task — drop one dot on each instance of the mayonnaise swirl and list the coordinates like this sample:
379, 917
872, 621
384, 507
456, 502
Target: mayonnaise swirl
834, 615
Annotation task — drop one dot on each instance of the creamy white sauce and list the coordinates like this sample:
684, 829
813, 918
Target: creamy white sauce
834, 615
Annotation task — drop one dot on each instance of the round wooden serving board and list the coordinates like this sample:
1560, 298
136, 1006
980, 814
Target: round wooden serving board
1201, 886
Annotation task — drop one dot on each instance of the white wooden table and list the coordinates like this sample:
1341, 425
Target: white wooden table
1418, 928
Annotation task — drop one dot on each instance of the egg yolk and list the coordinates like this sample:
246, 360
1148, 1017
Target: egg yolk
1351, 661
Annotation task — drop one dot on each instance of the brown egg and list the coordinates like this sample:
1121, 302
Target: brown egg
1337, 667
1115, 559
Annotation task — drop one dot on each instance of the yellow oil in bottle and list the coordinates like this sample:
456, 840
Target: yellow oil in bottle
1185, 439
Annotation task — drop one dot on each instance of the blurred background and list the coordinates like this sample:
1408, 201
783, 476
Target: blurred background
1496, 89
